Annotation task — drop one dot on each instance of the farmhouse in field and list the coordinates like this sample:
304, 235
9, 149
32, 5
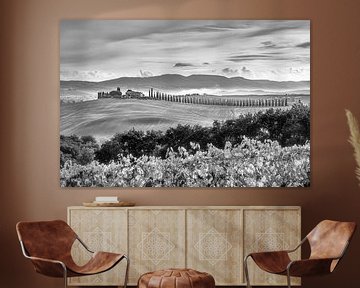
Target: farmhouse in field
134, 94
118, 94
112, 94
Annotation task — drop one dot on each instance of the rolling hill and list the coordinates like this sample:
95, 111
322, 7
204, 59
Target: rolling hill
178, 84
103, 118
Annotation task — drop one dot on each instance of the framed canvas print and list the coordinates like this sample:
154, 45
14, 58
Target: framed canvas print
185, 103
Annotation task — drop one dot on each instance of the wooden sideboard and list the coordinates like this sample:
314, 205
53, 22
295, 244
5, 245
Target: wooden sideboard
211, 239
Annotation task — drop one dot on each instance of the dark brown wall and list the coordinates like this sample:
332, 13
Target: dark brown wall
29, 111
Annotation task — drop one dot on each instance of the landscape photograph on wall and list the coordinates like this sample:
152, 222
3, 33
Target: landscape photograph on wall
185, 103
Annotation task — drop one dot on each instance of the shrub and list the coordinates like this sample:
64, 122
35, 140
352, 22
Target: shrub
251, 163
77, 149
287, 127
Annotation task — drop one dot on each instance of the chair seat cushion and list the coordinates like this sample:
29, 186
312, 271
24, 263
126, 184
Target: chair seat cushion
176, 278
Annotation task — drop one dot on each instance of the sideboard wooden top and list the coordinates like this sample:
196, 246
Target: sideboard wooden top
193, 207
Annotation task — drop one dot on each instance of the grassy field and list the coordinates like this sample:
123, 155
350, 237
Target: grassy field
103, 118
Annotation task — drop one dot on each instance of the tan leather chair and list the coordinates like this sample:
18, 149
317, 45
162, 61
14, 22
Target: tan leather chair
328, 242
48, 245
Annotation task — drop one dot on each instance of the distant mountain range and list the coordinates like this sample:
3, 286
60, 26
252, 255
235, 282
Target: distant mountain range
178, 84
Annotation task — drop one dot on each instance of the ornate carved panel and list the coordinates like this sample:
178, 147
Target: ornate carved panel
214, 241
267, 230
101, 230
156, 240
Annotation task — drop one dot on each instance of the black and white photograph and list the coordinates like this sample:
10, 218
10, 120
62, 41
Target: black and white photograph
185, 103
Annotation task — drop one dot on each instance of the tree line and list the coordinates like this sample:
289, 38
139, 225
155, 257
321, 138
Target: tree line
204, 100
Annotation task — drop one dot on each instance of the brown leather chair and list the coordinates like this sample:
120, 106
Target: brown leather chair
48, 245
328, 242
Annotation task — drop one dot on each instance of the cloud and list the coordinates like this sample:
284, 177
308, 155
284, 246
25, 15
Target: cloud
272, 45
93, 73
240, 58
86, 75
145, 73
263, 57
122, 47
268, 31
66, 74
268, 44
296, 71
265, 28
183, 64
304, 45
229, 71
245, 70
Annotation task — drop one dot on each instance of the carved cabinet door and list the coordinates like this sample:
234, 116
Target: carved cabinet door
214, 244
101, 230
270, 230
156, 240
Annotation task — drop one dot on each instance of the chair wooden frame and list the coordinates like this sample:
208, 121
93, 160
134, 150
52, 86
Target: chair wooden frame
314, 265
59, 268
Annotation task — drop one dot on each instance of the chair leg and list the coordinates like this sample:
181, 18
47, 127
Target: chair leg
127, 271
246, 270
65, 276
288, 278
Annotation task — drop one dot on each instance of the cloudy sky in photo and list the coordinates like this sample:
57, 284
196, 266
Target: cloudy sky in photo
97, 50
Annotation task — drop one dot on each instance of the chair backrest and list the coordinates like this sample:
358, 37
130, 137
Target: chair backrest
46, 239
329, 239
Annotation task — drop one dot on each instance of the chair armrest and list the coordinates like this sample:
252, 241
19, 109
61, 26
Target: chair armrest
45, 260
84, 245
268, 253
309, 267
281, 251
298, 246
48, 267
